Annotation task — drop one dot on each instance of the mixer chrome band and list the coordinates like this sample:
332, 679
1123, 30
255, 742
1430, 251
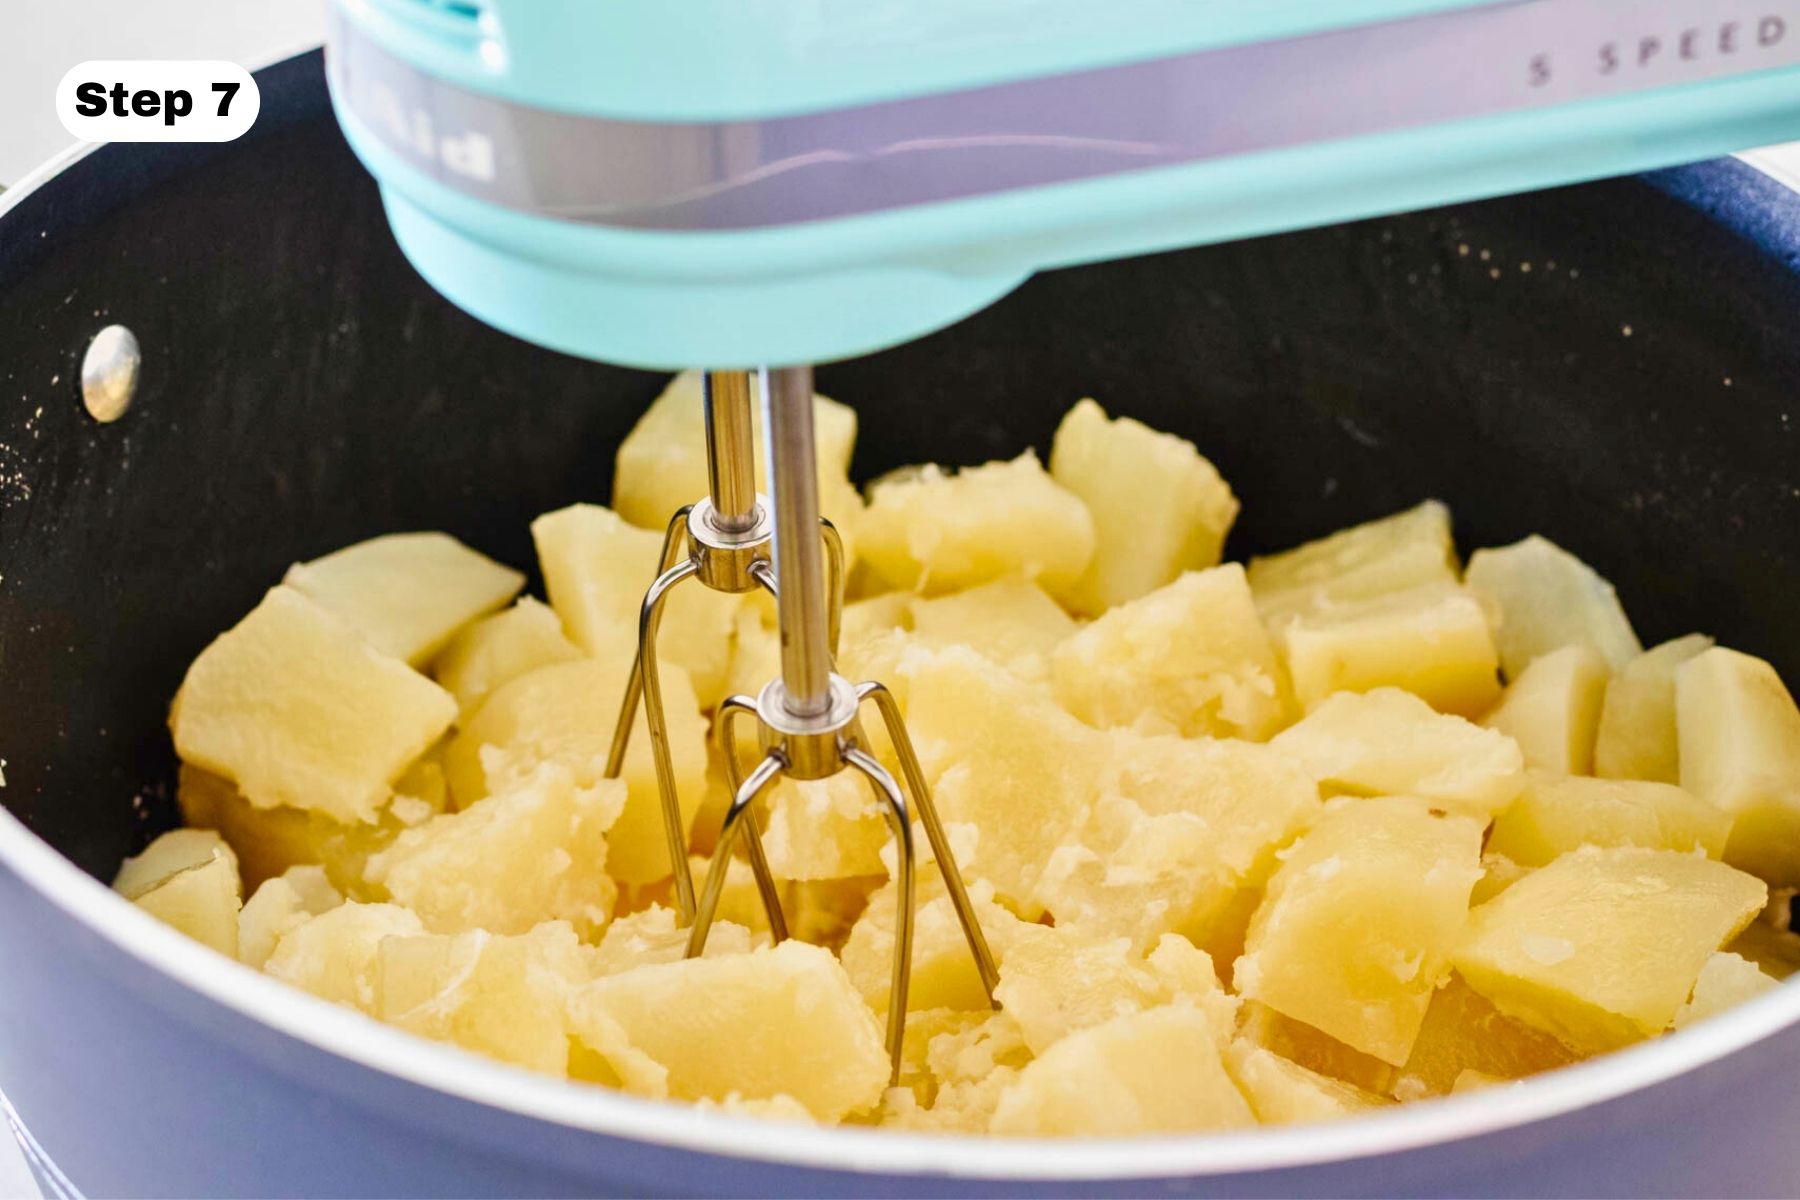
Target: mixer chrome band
1210, 104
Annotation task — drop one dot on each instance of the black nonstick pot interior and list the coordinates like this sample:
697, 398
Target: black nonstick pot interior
1613, 365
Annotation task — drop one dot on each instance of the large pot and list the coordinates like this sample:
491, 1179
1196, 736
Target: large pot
1613, 364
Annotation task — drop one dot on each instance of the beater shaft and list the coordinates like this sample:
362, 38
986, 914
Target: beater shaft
726, 409
801, 602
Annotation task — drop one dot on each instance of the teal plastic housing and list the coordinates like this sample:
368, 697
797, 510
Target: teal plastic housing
754, 292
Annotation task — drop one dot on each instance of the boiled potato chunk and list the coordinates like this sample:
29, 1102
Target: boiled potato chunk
1637, 738
1393, 554
1740, 751
1012, 621
1464, 1032
1360, 919
1055, 982
280, 906
1318, 1052
777, 1021
1190, 658
1432, 640
1178, 828
1557, 814
1157, 1071
498, 649
334, 956
503, 996
597, 569
168, 855
935, 532
564, 714
943, 966
1389, 742
1548, 599
1726, 981
201, 901
824, 829
1159, 507
408, 593
533, 852
1553, 709
1191, 818
1285, 1093
1498, 873
1603, 946
661, 464
274, 840
297, 709
1770, 943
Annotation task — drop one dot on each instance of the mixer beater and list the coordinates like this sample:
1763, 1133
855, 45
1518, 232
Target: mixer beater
808, 719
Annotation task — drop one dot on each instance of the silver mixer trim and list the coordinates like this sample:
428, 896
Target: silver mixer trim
1471, 62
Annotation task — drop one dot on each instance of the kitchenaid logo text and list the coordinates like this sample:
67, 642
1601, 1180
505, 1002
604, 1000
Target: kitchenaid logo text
469, 153
1663, 49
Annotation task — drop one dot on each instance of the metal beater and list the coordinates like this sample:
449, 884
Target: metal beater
807, 718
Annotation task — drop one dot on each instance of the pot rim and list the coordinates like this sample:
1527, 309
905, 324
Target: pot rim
357, 1038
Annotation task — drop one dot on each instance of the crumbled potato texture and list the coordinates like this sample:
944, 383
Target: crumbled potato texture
1345, 828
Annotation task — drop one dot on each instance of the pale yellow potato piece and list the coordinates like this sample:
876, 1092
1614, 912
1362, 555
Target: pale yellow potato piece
1603, 946
201, 901
1390, 554
1028, 776
334, 955
1475, 1081
502, 996
1464, 1032
564, 714
661, 464
498, 649
1285, 1093
935, 532
533, 852
1176, 830
1556, 814
1012, 621
408, 593
271, 841
1547, 599
652, 935
1637, 738
1726, 981
170, 854
278, 907
597, 569
1159, 507
1057, 981
943, 966
1553, 709
1002, 758
1498, 873
296, 708
1157, 1071
1769, 943
1433, 640
1190, 658
824, 829
956, 1066
1360, 919
1389, 742
1315, 1050
1740, 751
778, 1021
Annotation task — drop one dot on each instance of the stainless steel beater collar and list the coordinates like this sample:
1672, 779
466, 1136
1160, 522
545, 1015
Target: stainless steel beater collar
811, 746
730, 559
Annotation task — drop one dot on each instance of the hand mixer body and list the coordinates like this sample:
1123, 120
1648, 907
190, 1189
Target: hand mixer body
727, 184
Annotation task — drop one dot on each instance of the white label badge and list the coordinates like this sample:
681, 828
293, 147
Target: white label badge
157, 101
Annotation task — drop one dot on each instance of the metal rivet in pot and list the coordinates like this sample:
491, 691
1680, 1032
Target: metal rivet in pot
109, 373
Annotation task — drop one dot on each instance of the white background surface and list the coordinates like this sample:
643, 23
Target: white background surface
45, 38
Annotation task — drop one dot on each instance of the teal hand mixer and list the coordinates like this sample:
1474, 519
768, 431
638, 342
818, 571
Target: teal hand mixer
729, 184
